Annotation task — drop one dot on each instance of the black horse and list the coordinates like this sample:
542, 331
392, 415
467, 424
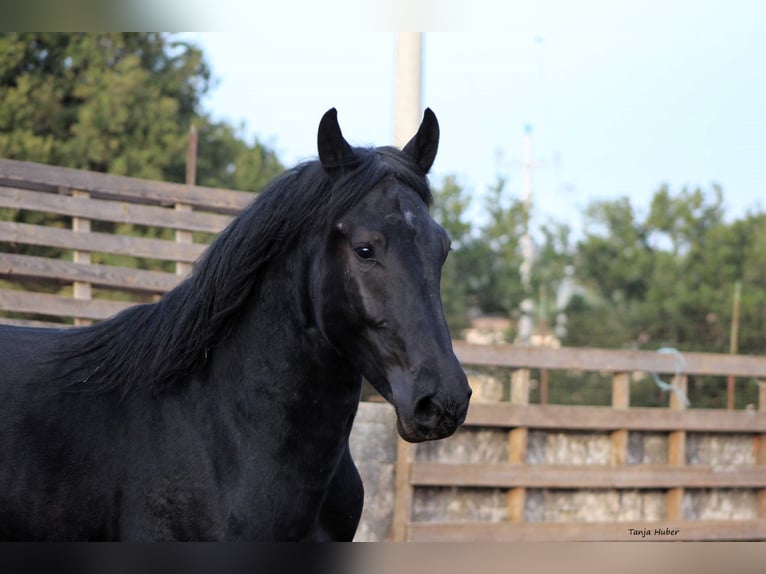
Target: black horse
223, 411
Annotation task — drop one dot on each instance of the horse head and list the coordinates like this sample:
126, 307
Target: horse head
381, 301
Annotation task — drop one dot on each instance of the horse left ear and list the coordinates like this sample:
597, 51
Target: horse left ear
422, 148
335, 154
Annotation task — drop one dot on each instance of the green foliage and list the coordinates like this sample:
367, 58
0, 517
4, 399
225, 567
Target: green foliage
482, 273
449, 209
663, 277
497, 254
114, 102
227, 161
482, 270
553, 259
667, 279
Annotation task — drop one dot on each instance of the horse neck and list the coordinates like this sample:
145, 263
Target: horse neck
277, 356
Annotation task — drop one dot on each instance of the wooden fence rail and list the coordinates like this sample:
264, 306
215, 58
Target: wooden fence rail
51, 179
77, 290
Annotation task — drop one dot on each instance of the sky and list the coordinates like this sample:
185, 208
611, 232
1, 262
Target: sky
621, 97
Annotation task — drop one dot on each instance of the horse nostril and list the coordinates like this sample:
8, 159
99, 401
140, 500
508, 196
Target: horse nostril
427, 411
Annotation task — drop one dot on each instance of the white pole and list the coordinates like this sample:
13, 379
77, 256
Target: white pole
408, 81
526, 240
527, 306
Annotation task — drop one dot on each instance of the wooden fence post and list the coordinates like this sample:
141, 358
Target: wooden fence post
620, 400
761, 452
403, 491
517, 444
183, 236
81, 289
677, 451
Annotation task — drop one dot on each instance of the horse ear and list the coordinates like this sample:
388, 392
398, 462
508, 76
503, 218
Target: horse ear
422, 148
335, 154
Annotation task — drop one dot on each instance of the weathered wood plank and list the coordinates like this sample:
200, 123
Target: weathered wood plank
586, 476
759, 447
102, 275
517, 444
50, 178
677, 450
99, 242
33, 323
620, 401
608, 360
610, 419
81, 289
182, 268
58, 306
403, 491
114, 211
599, 531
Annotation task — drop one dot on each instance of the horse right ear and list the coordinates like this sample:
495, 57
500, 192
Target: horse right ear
422, 147
335, 154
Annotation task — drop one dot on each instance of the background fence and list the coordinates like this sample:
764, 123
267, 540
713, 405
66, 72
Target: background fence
521, 471
88, 245
82, 259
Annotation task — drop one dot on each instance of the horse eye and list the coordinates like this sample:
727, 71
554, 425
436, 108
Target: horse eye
364, 252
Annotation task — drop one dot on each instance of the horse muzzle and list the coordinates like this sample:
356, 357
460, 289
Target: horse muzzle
433, 416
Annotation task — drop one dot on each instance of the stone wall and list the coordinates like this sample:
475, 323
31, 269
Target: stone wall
373, 447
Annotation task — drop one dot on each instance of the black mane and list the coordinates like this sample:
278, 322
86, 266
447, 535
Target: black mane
157, 346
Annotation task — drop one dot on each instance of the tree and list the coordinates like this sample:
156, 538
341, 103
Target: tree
118, 103
496, 255
552, 266
449, 210
482, 272
667, 278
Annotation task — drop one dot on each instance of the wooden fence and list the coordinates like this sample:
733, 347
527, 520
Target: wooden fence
75, 288
675, 477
